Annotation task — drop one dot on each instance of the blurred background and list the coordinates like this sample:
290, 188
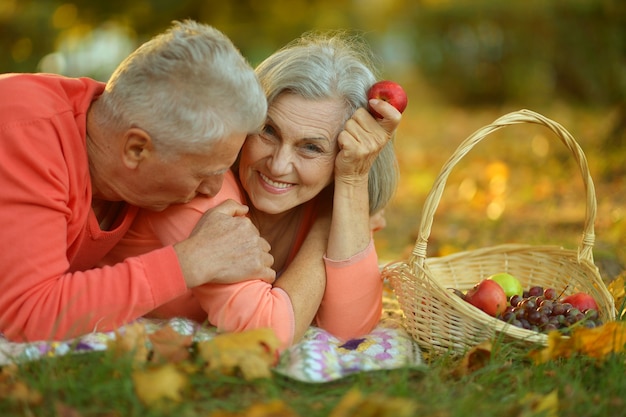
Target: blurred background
463, 63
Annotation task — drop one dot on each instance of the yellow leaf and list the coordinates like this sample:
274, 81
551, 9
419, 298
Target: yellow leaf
18, 391
597, 342
559, 346
545, 405
132, 340
617, 288
355, 404
170, 346
275, 408
475, 359
252, 352
154, 384
600, 341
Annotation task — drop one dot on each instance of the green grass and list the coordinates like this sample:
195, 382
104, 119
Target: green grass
96, 384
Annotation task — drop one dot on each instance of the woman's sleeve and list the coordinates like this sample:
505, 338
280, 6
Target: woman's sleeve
352, 303
248, 305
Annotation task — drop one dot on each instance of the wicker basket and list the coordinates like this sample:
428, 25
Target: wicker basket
441, 321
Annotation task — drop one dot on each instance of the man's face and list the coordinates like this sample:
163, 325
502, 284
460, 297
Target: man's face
162, 182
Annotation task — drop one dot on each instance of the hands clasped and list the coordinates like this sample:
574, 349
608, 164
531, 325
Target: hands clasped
225, 247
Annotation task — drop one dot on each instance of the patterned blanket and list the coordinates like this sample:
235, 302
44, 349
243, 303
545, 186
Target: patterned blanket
318, 357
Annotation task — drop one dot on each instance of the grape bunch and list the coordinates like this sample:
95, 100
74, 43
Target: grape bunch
541, 311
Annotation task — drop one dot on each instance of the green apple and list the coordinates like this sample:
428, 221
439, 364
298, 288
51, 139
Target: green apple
509, 284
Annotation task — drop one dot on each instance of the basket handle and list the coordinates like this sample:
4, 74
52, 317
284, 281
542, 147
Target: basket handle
418, 255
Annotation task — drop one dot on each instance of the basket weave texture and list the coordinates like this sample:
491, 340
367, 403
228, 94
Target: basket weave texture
440, 321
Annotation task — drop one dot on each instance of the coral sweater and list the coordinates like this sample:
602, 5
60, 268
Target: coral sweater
51, 240
351, 305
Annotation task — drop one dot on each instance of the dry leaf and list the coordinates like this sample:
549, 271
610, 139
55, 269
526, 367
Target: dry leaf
558, 346
600, 341
544, 405
597, 342
252, 352
131, 341
275, 408
475, 359
617, 288
163, 382
64, 410
170, 346
18, 391
355, 404
12, 389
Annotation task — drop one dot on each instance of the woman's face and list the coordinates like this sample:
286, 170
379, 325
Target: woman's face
293, 159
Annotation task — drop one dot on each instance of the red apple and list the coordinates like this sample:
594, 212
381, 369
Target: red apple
581, 301
489, 296
390, 92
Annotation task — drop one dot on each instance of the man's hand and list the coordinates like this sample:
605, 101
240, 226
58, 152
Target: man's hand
225, 247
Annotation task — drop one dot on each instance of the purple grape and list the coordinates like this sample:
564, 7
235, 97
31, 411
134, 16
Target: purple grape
549, 293
558, 309
515, 300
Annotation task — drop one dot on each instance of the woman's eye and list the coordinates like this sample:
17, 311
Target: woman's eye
311, 147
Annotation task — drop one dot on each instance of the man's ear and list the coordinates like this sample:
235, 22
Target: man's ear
138, 146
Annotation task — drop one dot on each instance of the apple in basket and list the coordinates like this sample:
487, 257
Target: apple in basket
388, 91
488, 296
581, 301
511, 285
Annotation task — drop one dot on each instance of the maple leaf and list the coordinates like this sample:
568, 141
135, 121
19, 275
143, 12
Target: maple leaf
252, 352
597, 342
13, 389
537, 404
274, 408
355, 404
617, 288
64, 410
476, 358
131, 340
170, 346
155, 384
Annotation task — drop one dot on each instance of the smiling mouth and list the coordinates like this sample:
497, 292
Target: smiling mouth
275, 184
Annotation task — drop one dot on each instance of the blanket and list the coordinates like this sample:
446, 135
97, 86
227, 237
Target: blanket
319, 357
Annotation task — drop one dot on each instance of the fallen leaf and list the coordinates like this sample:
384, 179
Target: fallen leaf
476, 358
558, 346
155, 384
131, 339
617, 288
600, 341
597, 342
275, 408
170, 346
537, 404
64, 410
252, 352
18, 391
355, 404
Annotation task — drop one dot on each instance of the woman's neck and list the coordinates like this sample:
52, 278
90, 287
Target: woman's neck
280, 230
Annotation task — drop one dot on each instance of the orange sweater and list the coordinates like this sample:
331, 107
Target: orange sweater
51, 241
351, 305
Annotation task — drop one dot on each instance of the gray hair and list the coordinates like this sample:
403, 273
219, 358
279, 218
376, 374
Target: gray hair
187, 87
332, 65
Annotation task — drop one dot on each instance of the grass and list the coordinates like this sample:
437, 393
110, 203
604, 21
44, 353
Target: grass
542, 202
95, 384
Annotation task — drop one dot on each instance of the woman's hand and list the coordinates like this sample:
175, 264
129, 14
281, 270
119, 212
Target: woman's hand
362, 139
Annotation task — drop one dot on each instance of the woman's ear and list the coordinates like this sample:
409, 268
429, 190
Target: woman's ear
138, 146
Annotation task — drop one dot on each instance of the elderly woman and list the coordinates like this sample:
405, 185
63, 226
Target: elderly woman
320, 167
